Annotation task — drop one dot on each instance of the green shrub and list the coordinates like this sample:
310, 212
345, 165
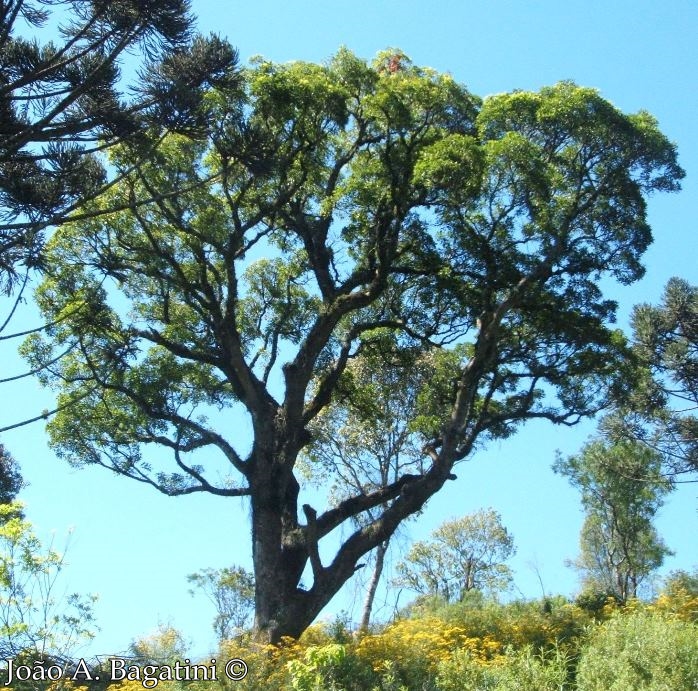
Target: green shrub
597, 602
526, 670
642, 651
329, 668
522, 670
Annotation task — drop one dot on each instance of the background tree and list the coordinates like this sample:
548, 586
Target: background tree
661, 410
464, 554
37, 619
622, 489
344, 200
231, 590
10, 478
367, 441
62, 103
165, 646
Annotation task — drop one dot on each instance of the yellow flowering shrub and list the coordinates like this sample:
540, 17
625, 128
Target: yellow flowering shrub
133, 685
317, 634
542, 625
67, 685
267, 665
680, 602
541, 630
460, 647
415, 647
412, 651
516, 670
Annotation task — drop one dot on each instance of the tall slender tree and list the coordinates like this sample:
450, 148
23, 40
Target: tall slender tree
345, 200
38, 619
231, 591
622, 489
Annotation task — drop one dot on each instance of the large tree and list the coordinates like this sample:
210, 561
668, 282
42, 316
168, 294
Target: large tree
346, 201
622, 489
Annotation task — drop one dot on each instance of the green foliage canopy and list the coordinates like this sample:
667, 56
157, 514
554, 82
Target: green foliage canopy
464, 554
327, 206
10, 479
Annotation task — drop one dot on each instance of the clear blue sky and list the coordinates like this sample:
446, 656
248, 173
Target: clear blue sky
135, 547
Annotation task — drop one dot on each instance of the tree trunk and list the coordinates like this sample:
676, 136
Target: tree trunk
373, 585
282, 547
276, 579
279, 552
